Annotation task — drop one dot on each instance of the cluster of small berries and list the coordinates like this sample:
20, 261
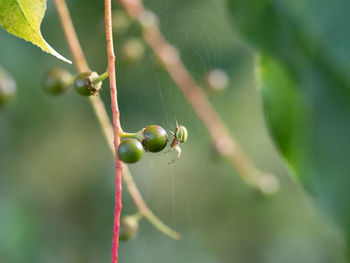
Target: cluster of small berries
153, 139
58, 81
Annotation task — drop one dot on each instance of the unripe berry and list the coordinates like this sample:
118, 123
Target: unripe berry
217, 80
84, 83
155, 138
57, 81
148, 19
130, 151
8, 87
133, 50
129, 226
121, 21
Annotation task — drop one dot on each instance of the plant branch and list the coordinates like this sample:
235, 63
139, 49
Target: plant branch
224, 142
71, 36
144, 210
103, 119
116, 126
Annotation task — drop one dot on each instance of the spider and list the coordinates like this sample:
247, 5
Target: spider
180, 136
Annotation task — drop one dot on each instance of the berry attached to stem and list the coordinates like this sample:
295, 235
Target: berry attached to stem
129, 226
155, 138
89, 83
130, 151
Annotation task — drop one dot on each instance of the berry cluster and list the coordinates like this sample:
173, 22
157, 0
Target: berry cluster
152, 138
58, 81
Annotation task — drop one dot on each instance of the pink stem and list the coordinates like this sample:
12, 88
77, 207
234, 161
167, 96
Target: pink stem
117, 129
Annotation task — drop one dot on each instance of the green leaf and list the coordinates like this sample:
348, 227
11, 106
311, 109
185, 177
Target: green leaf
22, 18
286, 111
305, 87
309, 121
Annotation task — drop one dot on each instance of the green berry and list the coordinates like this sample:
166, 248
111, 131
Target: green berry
217, 80
84, 83
181, 134
130, 151
133, 49
155, 138
57, 81
8, 87
121, 21
129, 226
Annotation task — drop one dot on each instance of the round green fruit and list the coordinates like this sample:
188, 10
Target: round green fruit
129, 226
84, 83
130, 151
133, 50
57, 82
8, 87
155, 138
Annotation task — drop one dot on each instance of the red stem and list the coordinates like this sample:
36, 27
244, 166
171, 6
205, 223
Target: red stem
117, 129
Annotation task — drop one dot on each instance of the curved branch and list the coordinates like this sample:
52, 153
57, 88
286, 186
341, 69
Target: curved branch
144, 210
225, 144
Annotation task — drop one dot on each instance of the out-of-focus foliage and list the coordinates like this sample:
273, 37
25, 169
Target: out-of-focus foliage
57, 173
23, 19
285, 111
306, 89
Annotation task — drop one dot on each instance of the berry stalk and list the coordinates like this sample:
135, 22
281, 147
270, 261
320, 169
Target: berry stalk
137, 135
100, 78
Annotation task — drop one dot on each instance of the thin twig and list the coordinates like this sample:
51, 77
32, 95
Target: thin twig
71, 36
104, 120
144, 210
223, 141
116, 126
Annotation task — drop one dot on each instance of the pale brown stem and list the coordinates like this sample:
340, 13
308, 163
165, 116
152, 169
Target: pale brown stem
223, 141
144, 210
71, 36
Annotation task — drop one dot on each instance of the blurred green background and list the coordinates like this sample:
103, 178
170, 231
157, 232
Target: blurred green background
57, 173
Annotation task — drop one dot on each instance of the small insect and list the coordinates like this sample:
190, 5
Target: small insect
180, 136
